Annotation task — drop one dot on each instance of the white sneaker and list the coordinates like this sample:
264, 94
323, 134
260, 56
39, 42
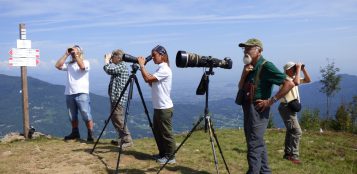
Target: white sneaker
164, 159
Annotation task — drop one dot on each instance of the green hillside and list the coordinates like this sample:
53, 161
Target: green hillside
329, 152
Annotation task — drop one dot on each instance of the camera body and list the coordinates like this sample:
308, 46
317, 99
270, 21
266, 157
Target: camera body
185, 59
69, 50
133, 59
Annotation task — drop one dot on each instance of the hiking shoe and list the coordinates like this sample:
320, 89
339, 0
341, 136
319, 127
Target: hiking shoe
72, 136
295, 160
163, 160
287, 157
114, 142
126, 145
90, 139
90, 136
157, 156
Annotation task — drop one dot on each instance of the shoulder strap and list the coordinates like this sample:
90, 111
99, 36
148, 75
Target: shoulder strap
257, 76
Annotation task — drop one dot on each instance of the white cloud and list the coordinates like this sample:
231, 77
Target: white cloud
52, 15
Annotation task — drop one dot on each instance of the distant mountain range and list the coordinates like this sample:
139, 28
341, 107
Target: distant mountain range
48, 109
48, 113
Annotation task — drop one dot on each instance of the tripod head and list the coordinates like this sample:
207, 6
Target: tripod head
203, 86
134, 68
202, 89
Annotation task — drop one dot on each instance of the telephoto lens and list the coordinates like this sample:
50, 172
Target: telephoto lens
185, 59
133, 59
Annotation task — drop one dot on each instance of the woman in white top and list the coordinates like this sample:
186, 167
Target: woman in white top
293, 130
160, 83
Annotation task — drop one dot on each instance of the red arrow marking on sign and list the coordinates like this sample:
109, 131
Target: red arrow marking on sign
10, 52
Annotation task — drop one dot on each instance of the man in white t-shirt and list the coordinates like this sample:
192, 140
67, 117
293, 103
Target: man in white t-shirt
160, 83
77, 90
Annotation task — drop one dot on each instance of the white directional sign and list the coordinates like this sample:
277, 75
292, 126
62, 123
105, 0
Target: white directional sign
23, 43
23, 61
24, 52
24, 57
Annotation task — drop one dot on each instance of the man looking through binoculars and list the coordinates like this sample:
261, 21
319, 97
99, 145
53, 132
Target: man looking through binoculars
77, 90
116, 68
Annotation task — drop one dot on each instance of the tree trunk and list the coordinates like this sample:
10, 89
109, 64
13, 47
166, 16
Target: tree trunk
327, 107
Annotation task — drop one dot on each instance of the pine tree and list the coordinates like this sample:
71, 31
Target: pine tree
310, 119
352, 109
343, 119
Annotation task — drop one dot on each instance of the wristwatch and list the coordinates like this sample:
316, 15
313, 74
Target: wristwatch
274, 99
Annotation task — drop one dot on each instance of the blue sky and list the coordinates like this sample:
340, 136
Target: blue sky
291, 30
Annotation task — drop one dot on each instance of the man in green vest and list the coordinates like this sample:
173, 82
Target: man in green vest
257, 80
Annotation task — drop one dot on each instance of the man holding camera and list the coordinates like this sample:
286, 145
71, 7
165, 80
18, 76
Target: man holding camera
116, 68
257, 80
77, 90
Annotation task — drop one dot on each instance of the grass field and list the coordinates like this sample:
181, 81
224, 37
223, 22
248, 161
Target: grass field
329, 152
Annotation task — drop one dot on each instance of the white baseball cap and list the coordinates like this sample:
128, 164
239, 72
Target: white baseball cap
289, 65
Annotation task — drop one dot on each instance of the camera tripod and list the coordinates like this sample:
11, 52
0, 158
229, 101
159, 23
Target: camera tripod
130, 82
203, 88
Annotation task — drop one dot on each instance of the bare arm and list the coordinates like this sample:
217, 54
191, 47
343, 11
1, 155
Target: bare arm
307, 78
61, 61
296, 80
149, 78
287, 86
263, 104
81, 64
245, 72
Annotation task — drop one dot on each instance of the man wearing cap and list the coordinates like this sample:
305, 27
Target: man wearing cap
293, 130
257, 80
115, 67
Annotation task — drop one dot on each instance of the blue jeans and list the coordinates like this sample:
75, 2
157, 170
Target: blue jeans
78, 102
255, 124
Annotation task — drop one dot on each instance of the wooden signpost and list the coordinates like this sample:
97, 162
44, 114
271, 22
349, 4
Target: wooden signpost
24, 56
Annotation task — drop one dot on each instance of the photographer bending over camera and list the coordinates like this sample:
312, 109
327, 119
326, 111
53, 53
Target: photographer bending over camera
77, 90
116, 68
160, 83
289, 114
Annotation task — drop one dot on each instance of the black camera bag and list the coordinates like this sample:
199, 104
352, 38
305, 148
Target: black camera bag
240, 97
294, 105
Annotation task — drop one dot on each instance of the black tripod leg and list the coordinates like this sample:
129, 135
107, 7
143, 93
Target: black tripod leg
145, 108
209, 126
143, 102
111, 113
188, 135
220, 150
130, 93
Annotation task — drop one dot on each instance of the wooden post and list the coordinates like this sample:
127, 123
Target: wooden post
25, 104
